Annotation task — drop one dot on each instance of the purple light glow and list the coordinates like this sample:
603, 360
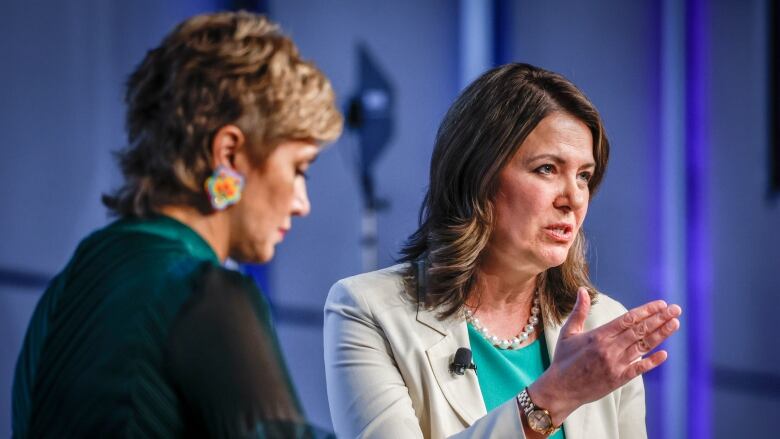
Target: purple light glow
697, 227
654, 389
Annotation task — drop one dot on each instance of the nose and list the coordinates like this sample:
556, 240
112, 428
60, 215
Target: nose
300, 204
574, 195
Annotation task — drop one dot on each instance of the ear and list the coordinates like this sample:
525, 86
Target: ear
227, 142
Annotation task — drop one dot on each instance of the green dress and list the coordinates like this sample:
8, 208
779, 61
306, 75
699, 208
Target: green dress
502, 374
144, 334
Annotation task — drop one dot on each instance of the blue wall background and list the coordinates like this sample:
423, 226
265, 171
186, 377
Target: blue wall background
61, 116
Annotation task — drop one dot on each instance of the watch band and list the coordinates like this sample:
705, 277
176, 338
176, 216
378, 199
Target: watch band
525, 402
531, 410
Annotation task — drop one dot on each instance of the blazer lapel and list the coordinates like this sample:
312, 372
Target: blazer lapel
574, 424
429, 319
461, 391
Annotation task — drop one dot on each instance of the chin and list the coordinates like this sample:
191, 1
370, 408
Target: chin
254, 255
552, 260
263, 254
265, 257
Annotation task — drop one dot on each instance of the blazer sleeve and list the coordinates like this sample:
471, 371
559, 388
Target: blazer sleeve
631, 411
502, 421
366, 391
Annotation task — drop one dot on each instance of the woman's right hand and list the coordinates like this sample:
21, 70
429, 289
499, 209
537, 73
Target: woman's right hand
589, 365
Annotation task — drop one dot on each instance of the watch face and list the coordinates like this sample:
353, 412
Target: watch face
539, 420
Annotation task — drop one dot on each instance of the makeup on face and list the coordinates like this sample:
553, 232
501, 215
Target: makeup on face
543, 194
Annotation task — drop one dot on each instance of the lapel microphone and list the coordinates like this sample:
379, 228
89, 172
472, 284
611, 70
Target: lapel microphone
462, 361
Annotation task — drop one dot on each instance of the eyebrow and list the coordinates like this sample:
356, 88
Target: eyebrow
557, 159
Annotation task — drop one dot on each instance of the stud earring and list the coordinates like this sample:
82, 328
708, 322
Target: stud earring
224, 187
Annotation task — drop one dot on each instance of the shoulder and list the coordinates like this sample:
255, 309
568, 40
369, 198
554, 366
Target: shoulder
125, 243
384, 279
376, 290
128, 271
221, 287
221, 301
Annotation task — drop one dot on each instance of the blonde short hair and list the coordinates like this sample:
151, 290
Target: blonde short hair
214, 70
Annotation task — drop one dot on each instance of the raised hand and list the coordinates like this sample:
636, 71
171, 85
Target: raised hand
589, 365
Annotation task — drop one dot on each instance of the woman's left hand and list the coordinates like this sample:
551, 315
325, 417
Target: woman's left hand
589, 365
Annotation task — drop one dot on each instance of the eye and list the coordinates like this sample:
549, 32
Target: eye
545, 169
585, 176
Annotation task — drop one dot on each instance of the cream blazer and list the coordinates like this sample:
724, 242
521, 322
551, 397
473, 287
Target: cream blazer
387, 372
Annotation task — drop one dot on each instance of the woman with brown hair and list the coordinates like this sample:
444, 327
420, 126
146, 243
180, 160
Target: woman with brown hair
497, 266
144, 333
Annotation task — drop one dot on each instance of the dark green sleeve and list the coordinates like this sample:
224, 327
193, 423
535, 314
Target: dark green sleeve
224, 359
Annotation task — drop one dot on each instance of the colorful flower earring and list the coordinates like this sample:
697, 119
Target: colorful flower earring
224, 187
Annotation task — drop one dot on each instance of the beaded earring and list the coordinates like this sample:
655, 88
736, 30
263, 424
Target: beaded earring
224, 187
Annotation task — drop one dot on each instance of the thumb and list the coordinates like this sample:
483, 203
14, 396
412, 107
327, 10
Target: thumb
576, 321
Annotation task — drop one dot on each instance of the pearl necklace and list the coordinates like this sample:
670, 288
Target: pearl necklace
504, 343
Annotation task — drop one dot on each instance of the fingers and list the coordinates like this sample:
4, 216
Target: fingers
631, 318
648, 330
576, 321
644, 365
651, 340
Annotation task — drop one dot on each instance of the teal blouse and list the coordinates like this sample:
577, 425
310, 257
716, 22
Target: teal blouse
502, 374
145, 334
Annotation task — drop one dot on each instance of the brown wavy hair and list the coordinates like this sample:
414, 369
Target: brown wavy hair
210, 71
478, 137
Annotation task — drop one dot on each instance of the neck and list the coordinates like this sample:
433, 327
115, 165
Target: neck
504, 306
504, 292
504, 284
212, 228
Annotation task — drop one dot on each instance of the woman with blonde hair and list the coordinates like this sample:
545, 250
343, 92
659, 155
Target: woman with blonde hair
144, 333
490, 326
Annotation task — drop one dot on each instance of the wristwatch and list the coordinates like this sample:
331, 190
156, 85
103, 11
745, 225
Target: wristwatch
539, 419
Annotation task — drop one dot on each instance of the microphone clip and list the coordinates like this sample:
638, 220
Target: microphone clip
462, 361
